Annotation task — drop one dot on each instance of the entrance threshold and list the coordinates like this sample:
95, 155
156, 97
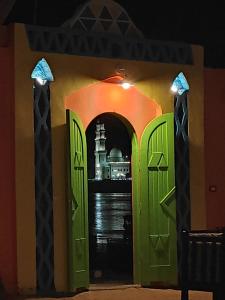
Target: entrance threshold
111, 286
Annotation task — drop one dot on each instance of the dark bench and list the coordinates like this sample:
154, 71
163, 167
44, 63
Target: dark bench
203, 262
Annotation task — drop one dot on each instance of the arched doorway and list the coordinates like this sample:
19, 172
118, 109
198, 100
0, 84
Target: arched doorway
154, 208
110, 200
153, 205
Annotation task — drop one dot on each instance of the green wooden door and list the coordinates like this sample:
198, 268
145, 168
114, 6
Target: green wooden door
158, 205
77, 205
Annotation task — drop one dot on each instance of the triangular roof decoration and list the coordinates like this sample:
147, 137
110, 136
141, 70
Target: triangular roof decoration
42, 71
108, 16
105, 14
123, 17
87, 13
180, 84
6, 7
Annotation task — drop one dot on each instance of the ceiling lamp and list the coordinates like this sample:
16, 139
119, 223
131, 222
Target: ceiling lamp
120, 78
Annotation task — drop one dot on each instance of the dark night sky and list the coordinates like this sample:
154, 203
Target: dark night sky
116, 137
200, 23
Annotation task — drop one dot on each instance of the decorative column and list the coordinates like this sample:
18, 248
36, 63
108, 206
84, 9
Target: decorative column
42, 76
182, 162
182, 176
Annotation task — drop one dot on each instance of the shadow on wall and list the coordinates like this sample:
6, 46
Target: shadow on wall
2, 291
197, 199
60, 180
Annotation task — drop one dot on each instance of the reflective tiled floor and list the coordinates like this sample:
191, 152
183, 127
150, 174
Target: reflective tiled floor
110, 237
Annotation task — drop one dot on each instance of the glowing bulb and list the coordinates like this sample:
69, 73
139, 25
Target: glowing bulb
41, 81
126, 85
174, 88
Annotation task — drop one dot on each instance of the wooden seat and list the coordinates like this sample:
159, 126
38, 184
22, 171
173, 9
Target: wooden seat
203, 262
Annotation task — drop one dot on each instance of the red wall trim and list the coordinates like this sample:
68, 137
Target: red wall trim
8, 271
215, 146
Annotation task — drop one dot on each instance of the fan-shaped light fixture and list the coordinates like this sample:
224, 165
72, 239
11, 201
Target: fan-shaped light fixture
180, 84
42, 72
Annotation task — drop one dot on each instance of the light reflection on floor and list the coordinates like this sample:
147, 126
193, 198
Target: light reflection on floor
107, 214
110, 245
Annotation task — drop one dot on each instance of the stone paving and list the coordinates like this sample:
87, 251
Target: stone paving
132, 293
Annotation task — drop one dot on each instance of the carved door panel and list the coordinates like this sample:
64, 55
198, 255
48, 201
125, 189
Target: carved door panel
77, 204
158, 212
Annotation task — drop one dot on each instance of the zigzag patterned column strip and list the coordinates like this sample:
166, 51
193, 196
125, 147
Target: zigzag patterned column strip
43, 189
182, 177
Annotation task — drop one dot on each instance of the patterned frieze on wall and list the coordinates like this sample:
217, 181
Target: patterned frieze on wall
70, 41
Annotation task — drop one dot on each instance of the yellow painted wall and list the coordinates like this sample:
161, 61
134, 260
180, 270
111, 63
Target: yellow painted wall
71, 73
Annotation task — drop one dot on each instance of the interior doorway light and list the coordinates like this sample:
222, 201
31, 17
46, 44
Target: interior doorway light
119, 80
126, 85
124, 82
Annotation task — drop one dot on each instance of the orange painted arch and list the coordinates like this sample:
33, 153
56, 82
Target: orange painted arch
109, 96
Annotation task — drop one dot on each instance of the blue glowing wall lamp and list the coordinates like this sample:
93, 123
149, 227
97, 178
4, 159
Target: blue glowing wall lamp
180, 84
42, 72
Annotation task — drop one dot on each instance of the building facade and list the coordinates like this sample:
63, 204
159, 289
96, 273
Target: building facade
44, 201
111, 167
